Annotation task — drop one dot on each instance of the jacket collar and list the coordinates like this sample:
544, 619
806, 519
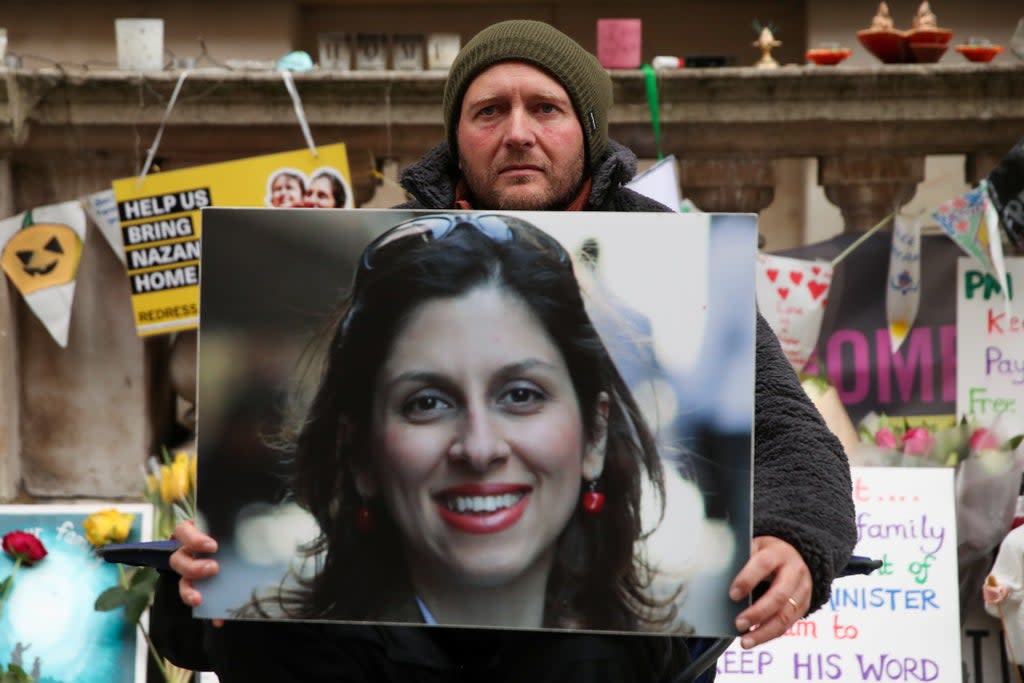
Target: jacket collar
432, 180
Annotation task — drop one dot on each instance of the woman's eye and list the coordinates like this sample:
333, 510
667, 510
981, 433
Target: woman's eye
424, 406
522, 398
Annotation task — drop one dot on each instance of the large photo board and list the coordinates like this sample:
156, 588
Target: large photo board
407, 417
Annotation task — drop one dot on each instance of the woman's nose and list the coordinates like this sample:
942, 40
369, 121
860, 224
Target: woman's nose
481, 441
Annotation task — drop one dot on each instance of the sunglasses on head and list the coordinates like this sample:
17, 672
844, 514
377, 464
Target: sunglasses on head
435, 227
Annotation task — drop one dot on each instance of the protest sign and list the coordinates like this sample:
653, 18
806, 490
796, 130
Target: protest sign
990, 347
160, 226
900, 623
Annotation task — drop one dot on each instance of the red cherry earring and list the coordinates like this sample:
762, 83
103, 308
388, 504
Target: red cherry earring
593, 500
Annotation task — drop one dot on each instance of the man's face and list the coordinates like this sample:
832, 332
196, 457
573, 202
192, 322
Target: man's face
520, 143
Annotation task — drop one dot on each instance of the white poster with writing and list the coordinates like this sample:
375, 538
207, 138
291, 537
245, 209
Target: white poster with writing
900, 623
989, 347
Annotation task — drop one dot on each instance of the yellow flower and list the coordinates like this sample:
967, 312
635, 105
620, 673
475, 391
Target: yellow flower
193, 465
174, 481
107, 526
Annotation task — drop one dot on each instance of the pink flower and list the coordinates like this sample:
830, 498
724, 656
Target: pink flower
917, 441
983, 440
885, 438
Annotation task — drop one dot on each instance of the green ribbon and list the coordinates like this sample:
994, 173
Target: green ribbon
651, 81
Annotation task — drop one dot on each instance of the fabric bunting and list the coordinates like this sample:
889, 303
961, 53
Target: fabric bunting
903, 284
41, 250
962, 219
792, 295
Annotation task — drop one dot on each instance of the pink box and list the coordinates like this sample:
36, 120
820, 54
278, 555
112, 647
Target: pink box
618, 43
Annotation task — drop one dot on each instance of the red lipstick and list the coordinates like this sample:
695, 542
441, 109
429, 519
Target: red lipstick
482, 508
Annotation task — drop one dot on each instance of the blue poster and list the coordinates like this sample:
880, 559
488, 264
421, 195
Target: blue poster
48, 625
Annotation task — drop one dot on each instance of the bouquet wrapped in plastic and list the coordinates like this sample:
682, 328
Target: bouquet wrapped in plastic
987, 482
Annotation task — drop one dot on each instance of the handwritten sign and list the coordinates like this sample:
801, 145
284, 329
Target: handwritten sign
901, 623
990, 346
792, 295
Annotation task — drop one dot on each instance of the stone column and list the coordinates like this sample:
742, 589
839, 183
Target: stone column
727, 185
10, 401
868, 187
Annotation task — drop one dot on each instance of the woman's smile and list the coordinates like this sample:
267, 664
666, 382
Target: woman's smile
482, 508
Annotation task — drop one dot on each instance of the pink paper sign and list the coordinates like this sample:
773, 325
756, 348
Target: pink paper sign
792, 295
618, 43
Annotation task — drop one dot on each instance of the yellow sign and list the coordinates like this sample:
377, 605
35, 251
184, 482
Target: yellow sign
160, 226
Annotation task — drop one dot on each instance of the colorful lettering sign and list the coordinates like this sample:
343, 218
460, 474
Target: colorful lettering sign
990, 346
900, 623
160, 226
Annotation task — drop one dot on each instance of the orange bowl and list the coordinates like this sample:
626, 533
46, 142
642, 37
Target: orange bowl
887, 45
927, 53
828, 56
979, 53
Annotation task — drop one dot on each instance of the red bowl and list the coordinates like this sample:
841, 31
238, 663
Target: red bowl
928, 35
927, 53
828, 56
979, 53
887, 45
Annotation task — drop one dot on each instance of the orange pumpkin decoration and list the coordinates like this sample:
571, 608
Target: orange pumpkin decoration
42, 255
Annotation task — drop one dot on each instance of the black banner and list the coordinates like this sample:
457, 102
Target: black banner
1006, 188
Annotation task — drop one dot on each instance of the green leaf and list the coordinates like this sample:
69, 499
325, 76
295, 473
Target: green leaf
1012, 443
135, 606
144, 579
6, 584
111, 599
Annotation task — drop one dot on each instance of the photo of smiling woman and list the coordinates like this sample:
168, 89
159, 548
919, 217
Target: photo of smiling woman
415, 417
471, 455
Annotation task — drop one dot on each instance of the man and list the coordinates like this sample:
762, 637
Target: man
526, 114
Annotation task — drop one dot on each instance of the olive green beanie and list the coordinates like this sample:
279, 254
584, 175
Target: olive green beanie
520, 40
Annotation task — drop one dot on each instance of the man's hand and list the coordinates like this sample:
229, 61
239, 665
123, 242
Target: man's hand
787, 598
191, 568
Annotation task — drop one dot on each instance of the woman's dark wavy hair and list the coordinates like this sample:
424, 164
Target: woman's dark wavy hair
597, 580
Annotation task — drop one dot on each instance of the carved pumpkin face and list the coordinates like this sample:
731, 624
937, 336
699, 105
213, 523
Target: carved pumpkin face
41, 255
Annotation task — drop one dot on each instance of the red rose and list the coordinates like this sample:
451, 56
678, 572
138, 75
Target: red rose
983, 440
21, 544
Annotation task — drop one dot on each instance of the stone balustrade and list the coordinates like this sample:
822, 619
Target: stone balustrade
77, 422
